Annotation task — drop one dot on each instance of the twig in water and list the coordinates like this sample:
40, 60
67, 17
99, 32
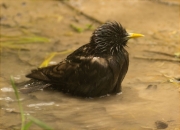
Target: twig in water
155, 59
82, 13
162, 53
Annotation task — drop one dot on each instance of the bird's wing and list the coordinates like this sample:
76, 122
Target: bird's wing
86, 76
54, 73
60, 71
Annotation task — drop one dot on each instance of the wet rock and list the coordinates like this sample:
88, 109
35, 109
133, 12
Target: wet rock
161, 125
23, 3
151, 86
4, 5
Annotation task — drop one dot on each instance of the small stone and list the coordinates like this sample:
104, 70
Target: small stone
161, 125
151, 86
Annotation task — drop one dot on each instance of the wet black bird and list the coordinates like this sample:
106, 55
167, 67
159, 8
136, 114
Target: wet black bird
95, 69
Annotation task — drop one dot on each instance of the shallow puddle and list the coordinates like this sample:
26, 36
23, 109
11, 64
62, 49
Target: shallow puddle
147, 97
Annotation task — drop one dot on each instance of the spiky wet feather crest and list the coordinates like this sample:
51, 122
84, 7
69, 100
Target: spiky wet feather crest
110, 37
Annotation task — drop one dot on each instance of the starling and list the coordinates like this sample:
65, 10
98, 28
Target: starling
95, 69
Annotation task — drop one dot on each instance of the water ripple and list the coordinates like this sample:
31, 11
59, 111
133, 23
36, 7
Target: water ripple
41, 104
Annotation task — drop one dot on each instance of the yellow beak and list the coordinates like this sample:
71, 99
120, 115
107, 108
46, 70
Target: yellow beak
134, 35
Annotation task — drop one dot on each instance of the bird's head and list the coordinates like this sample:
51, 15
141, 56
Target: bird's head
111, 36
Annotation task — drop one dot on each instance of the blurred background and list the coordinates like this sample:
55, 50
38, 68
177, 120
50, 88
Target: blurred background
36, 33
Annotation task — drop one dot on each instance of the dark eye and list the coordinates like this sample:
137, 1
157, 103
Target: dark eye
126, 34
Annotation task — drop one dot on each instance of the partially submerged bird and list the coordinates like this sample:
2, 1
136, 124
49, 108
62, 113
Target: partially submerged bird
95, 69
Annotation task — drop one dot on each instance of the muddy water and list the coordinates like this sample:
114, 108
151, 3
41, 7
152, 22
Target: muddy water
147, 95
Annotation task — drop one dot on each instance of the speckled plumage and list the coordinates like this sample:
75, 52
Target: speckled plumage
95, 69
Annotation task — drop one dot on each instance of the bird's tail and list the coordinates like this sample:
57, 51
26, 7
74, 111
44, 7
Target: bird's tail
31, 86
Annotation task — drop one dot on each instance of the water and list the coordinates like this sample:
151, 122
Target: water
147, 94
